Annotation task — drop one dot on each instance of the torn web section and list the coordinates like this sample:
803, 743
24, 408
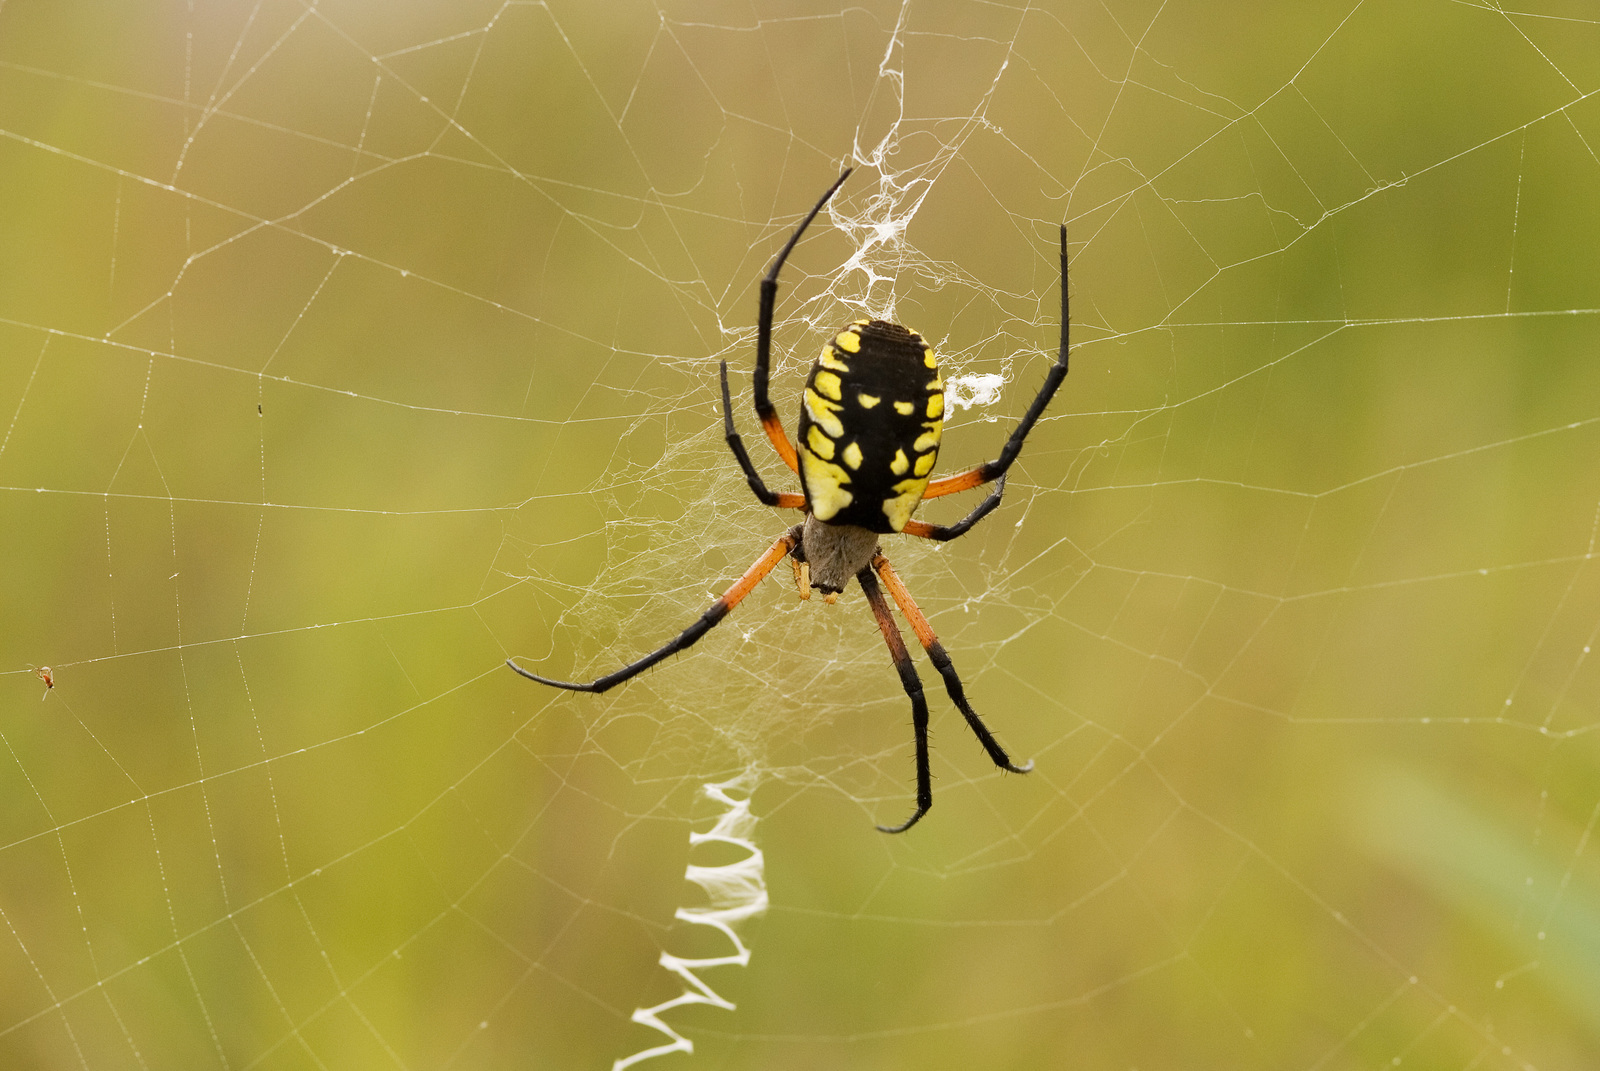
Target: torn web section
975, 390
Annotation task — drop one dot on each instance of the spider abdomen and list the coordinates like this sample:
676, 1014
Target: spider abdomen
870, 423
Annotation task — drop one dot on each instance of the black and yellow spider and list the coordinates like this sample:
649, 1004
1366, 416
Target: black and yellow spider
870, 423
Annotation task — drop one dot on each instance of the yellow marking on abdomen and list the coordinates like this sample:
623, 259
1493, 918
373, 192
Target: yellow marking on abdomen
830, 359
899, 508
823, 412
819, 443
825, 486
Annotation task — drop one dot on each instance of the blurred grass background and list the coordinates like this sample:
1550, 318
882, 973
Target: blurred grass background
347, 349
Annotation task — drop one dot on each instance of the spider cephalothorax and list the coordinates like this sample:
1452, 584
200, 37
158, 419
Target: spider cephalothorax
871, 419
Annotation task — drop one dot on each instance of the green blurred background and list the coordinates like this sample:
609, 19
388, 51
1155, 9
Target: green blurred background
349, 348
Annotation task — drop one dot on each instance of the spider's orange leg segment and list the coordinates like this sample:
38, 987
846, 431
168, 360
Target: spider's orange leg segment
686, 639
780, 440
961, 481
913, 686
944, 533
941, 662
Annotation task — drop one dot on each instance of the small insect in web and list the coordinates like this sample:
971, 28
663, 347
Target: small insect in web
871, 418
49, 678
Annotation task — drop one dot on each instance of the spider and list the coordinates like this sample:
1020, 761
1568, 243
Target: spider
870, 423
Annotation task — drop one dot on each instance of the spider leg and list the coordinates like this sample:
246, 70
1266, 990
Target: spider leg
913, 686
736, 444
941, 662
707, 621
769, 295
943, 533
992, 470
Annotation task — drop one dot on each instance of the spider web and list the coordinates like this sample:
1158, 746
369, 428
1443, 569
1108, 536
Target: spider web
348, 349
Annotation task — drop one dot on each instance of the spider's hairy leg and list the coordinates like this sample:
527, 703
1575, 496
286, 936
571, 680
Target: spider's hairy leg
943, 533
913, 686
736, 444
941, 662
769, 295
993, 470
686, 639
